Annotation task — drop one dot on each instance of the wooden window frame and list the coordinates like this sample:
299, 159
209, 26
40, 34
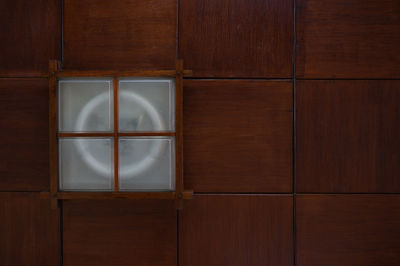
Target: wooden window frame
55, 73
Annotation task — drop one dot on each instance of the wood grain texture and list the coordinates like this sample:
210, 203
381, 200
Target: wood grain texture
29, 232
115, 195
348, 38
121, 34
31, 33
348, 230
54, 65
135, 72
24, 154
120, 232
348, 136
238, 136
237, 38
237, 230
179, 175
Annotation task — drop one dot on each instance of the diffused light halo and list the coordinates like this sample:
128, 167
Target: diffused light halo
126, 171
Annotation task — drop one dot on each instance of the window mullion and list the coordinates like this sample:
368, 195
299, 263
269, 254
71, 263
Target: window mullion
116, 129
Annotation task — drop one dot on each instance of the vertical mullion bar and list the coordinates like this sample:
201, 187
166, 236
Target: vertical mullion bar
53, 147
116, 129
294, 140
179, 131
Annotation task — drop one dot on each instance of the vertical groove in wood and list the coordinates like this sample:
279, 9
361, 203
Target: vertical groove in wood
180, 246
179, 128
53, 156
294, 133
116, 129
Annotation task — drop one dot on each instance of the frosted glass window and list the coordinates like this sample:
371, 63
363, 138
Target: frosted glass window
146, 105
144, 163
147, 164
86, 164
85, 105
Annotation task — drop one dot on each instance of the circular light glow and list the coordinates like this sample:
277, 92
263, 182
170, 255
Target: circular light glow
135, 168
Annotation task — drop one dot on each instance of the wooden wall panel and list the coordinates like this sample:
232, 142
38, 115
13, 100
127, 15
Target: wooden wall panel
134, 34
24, 155
31, 34
238, 136
237, 38
348, 230
348, 38
347, 136
29, 232
119, 232
237, 230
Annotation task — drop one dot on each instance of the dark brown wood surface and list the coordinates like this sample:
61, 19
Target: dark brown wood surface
115, 195
237, 133
348, 230
121, 73
348, 136
29, 230
348, 38
134, 34
24, 135
237, 230
54, 65
31, 35
179, 174
119, 232
237, 38
238, 136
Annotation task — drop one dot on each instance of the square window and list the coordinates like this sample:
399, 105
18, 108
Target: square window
86, 164
146, 105
85, 105
116, 134
147, 164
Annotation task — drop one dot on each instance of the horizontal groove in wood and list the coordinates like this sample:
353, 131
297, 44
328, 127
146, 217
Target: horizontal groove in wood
23, 74
187, 194
130, 73
122, 134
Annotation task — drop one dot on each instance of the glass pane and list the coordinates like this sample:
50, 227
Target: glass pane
147, 164
86, 164
146, 105
85, 105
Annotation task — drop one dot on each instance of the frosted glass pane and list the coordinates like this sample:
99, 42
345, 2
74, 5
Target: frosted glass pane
86, 164
147, 164
146, 105
85, 105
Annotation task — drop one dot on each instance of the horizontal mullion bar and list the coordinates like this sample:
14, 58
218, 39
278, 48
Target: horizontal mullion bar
130, 73
144, 134
115, 195
75, 135
122, 134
